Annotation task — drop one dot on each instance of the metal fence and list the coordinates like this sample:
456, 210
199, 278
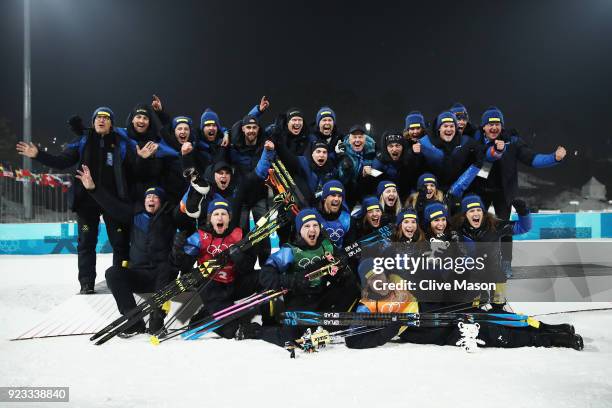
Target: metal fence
49, 203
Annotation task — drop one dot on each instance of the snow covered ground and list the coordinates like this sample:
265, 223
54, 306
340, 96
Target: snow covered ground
222, 373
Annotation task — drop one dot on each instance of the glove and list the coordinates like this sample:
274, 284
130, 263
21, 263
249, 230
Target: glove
347, 164
294, 281
280, 125
521, 207
76, 125
234, 254
339, 147
178, 255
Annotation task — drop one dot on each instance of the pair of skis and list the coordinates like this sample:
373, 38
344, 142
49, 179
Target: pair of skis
310, 318
288, 198
200, 328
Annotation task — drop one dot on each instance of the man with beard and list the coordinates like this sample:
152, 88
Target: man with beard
286, 269
108, 157
334, 217
355, 164
326, 131
500, 187
235, 280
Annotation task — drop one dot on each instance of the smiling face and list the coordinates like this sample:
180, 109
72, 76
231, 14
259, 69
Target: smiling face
438, 225
319, 156
250, 133
409, 227
389, 196
310, 232
182, 132
431, 190
102, 124
475, 217
152, 203
332, 203
140, 123
357, 141
395, 150
219, 219
461, 122
326, 126
447, 131
373, 217
295, 125
223, 177
416, 132
492, 130
210, 131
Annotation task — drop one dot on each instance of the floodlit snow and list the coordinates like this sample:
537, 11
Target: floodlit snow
225, 373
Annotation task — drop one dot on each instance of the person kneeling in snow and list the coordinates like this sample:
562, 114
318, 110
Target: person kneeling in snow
287, 268
151, 233
235, 280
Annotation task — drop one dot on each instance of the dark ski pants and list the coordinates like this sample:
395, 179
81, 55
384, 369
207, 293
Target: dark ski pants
259, 209
217, 296
502, 211
88, 220
124, 282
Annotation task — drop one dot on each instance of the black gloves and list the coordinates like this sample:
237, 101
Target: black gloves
76, 125
293, 281
178, 257
521, 207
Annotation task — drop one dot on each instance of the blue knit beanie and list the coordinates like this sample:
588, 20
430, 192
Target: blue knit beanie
219, 203
414, 119
406, 214
325, 112
332, 187
181, 119
103, 111
492, 115
383, 185
304, 216
445, 117
471, 201
434, 211
460, 111
369, 203
426, 178
209, 117
158, 191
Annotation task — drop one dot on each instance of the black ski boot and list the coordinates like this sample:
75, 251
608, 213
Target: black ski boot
156, 324
248, 331
561, 340
87, 289
196, 319
137, 328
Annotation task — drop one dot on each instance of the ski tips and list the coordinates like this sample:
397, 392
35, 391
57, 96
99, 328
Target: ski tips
154, 340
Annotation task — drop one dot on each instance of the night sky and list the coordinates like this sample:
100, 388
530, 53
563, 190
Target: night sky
546, 64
